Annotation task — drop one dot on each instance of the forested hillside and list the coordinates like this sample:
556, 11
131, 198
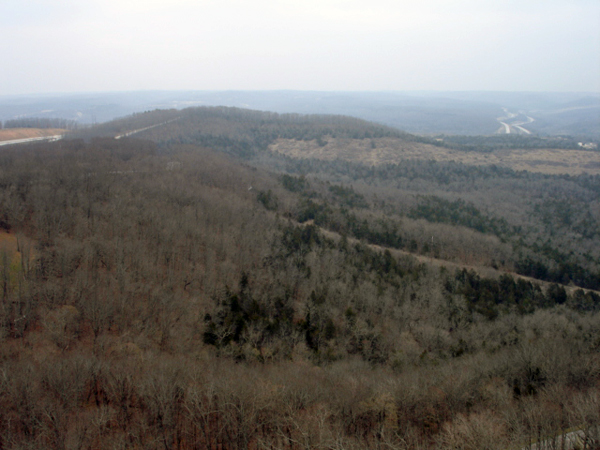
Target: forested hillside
188, 288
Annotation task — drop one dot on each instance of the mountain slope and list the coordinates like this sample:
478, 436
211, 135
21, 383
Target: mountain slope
191, 296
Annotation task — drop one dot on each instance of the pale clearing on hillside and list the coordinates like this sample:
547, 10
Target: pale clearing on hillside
391, 150
9, 134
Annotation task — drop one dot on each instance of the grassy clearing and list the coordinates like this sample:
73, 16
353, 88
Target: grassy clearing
392, 150
9, 134
16, 255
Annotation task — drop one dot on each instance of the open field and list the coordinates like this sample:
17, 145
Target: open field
16, 258
392, 150
8, 242
9, 134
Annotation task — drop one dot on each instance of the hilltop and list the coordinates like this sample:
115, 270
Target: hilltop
408, 178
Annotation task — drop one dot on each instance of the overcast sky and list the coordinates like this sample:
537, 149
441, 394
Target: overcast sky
117, 45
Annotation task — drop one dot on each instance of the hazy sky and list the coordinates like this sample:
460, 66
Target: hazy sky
100, 45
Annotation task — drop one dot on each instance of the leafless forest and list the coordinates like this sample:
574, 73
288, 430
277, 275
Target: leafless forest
186, 288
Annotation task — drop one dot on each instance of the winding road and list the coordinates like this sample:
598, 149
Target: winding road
510, 123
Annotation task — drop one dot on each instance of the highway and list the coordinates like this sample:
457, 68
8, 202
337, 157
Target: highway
518, 124
506, 127
34, 139
509, 124
60, 136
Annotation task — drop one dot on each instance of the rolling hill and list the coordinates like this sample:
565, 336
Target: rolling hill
193, 286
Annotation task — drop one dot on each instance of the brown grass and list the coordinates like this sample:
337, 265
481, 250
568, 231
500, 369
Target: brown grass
392, 150
14, 246
9, 134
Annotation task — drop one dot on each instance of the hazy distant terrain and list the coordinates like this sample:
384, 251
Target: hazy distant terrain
429, 113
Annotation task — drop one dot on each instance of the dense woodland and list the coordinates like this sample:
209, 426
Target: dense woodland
39, 122
185, 288
511, 141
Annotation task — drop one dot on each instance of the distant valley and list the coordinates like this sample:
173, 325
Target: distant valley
427, 113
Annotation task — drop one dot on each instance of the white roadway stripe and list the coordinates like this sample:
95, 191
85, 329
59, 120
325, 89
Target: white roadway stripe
34, 139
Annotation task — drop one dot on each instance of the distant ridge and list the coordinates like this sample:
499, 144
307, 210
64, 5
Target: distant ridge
428, 113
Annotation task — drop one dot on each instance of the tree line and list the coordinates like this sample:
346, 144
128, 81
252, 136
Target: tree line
40, 122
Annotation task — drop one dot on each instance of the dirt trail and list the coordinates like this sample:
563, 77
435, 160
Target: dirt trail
484, 271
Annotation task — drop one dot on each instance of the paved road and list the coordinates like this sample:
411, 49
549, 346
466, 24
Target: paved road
503, 120
34, 139
518, 124
506, 127
508, 123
